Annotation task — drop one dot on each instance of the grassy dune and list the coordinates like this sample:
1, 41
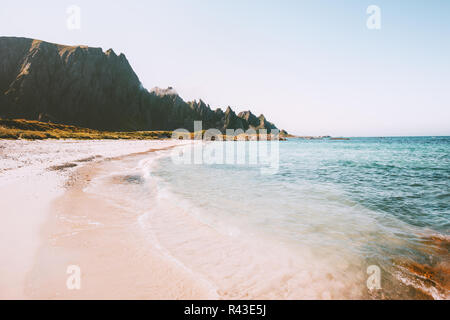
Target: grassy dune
35, 130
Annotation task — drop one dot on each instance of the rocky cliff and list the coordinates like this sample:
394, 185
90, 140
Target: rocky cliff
87, 87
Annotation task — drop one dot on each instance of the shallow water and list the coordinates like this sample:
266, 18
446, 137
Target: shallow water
309, 230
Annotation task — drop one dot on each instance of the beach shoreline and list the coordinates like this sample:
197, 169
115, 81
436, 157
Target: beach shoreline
137, 226
34, 184
130, 250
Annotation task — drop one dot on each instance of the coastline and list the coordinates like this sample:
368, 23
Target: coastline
34, 183
154, 249
119, 211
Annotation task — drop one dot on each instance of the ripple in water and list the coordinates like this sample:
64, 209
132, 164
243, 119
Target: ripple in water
334, 206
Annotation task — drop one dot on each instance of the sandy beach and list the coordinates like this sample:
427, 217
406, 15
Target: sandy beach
49, 223
96, 206
107, 208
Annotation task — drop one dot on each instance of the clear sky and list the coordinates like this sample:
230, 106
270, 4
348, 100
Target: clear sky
312, 67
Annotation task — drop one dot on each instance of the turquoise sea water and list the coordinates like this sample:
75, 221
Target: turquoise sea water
366, 201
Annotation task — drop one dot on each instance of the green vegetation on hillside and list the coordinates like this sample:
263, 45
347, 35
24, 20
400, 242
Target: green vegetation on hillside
35, 130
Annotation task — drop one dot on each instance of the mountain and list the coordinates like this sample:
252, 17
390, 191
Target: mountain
86, 87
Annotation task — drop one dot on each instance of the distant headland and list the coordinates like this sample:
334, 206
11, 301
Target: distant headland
86, 87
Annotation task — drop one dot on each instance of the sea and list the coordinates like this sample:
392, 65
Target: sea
364, 218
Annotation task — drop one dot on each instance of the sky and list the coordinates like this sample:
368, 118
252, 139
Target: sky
311, 67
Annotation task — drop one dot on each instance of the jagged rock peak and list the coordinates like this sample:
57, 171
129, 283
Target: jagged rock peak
229, 110
110, 52
84, 86
169, 91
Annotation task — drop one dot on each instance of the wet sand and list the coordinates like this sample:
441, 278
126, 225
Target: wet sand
131, 246
79, 204
115, 261
43, 230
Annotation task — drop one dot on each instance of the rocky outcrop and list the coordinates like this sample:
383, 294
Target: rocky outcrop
87, 87
253, 122
429, 273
